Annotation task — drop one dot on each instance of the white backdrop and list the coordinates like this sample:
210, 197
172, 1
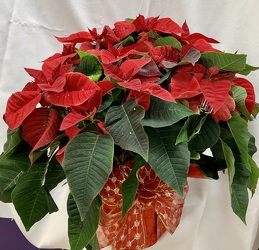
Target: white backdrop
27, 30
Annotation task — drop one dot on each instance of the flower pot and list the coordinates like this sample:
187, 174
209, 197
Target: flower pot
156, 208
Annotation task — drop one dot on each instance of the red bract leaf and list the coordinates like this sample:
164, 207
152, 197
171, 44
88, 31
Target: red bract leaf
143, 98
60, 155
85, 46
202, 45
113, 50
94, 102
134, 84
183, 85
225, 75
191, 69
68, 49
194, 172
193, 104
123, 29
167, 25
65, 69
140, 46
36, 74
224, 112
149, 89
185, 28
164, 53
106, 86
93, 32
72, 119
132, 66
186, 48
114, 55
78, 37
113, 71
73, 131
196, 36
78, 89
57, 86
91, 105
19, 106
108, 57
212, 71
250, 99
215, 92
109, 36
53, 57
31, 86
127, 70
146, 24
157, 91
53, 69
45, 123
101, 125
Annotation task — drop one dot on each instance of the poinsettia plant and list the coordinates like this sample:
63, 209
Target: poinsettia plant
132, 110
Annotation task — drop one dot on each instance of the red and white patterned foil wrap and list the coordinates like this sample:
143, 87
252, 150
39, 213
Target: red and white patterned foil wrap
156, 208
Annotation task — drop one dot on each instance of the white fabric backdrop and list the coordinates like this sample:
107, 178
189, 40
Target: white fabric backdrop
27, 28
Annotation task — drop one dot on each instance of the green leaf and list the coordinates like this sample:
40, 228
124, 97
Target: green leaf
254, 175
169, 161
87, 165
152, 34
209, 166
239, 199
54, 145
124, 124
191, 128
12, 166
230, 161
167, 76
168, 40
105, 103
130, 185
93, 244
252, 149
238, 189
224, 61
13, 140
5, 196
30, 198
239, 130
80, 232
207, 136
239, 95
9, 174
239, 193
128, 40
162, 113
90, 65
248, 69
55, 174
37, 154
255, 110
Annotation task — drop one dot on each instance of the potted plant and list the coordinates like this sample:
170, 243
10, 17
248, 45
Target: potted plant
125, 116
